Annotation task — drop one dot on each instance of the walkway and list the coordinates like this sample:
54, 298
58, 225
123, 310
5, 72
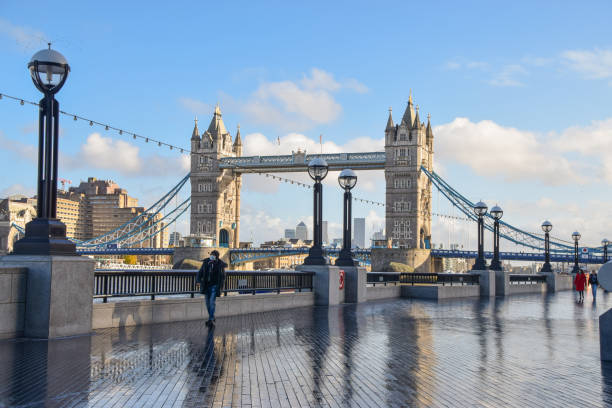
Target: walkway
525, 351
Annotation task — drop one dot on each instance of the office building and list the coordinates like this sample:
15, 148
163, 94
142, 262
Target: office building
359, 232
290, 233
301, 231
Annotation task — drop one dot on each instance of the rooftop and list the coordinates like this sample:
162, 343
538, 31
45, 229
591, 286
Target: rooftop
520, 351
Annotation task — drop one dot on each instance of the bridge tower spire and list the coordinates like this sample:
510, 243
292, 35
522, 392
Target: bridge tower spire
215, 192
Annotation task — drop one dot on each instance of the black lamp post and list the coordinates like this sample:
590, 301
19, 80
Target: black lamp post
576, 236
347, 180
46, 235
496, 213
546, 227
605, 244
317, 169
480, 209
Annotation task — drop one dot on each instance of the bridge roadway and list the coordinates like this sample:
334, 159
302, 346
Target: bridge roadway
251, 254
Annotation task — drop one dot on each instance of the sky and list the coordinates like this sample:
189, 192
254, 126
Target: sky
519, 97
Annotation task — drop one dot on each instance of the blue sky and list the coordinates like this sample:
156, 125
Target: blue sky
519, 97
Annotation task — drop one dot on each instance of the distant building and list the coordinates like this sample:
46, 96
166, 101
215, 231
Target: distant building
325, 238
18, 210
336, 242
174, 239
289, 233
301, 231
359, 232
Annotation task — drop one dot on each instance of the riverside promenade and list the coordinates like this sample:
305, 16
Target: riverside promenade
521, 351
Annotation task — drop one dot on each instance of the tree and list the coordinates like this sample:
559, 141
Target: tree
130, 259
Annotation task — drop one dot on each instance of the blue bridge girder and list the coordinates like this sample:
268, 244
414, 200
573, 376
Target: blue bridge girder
517, 256
125, 251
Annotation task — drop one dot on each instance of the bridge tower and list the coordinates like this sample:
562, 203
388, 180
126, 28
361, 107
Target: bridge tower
408, 146
215, 192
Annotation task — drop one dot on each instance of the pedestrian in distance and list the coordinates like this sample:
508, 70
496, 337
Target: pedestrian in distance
580, 283
594, 283
211, 277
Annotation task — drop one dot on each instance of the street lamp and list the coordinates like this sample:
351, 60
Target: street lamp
576, 236
347, 180
546, 227
46, 235
605, 244
480, 209
317, 170
496, 213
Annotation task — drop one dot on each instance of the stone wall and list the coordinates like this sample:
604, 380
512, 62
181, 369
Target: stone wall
198, 254
12, 301
134, 313
419, 259
383, 292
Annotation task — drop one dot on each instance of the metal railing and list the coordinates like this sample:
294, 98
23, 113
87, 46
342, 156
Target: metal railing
386, 278
526, 279
114, 283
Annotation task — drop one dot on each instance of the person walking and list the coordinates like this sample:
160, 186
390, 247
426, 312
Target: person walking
580, 283
211, 277
594, 283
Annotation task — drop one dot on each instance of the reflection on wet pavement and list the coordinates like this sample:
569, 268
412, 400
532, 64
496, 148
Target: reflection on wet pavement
523, 351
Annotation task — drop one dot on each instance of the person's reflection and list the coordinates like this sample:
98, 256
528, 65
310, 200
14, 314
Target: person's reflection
209, 362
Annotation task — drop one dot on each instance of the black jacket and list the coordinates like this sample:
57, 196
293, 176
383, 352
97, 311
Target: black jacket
593, 279
211, 273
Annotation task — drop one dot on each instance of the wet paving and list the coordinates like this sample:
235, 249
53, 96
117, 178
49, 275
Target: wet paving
523, 351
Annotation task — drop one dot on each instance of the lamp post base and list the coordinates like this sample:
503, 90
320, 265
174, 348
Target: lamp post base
495, 265
480, 265
546, 267
575, 269
316, 256
346, 259
44, 236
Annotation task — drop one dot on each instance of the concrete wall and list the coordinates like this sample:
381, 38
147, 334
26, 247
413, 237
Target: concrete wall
438, 292
503, 287
132, 313
383, 292
13, 283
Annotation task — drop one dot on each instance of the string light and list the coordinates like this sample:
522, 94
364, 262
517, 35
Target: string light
75, 118
21, 102
106, 127
90, 123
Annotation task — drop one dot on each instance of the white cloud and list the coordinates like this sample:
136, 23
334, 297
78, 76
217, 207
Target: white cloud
105, 153
493, 150
22, 150
25, 37
592, 142
297, 105
507, 76
196, 106
593, 64
17, 189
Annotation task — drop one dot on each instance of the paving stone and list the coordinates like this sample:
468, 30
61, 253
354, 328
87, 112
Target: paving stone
522, 351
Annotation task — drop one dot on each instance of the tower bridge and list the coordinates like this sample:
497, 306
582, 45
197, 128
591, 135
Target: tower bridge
217, 166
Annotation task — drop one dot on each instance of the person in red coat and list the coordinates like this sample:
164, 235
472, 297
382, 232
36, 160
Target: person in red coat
580, 283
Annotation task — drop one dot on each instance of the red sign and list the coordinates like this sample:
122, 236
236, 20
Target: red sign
341, 273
